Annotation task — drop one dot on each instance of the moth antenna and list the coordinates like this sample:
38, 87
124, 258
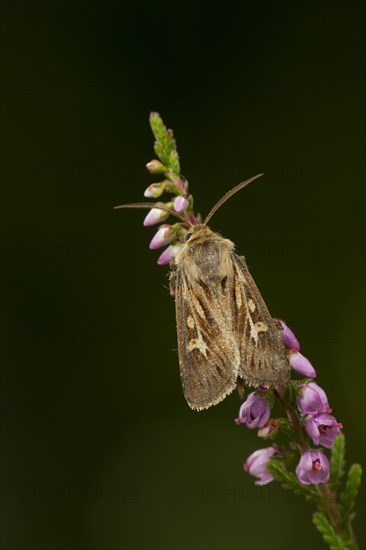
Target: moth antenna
154, 205
228, 195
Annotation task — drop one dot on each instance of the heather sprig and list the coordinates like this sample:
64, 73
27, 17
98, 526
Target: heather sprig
301, 464
298, 465
174, 185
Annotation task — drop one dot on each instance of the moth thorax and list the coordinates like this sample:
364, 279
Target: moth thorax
207, 257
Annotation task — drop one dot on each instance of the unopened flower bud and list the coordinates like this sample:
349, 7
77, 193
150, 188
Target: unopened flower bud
155, 190
180, 203
163, 236
301, 364
155, 167
269, 430
156, 215
168, 254
288, 337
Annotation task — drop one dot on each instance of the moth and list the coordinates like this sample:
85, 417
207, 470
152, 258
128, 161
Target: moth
226, 335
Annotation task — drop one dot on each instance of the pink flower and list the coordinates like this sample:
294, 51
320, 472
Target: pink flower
256, 465
155, 190
168, 254
180, 204
301, 364
163, 236
312, 399
254, 412
288, 337
155, 167
323, 429
156, 215
313, 468
269, 430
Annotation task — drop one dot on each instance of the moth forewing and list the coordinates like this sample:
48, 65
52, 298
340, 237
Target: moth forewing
224, 328
263, 358
208, 352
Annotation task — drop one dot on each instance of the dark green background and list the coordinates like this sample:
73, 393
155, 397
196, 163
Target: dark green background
99, 450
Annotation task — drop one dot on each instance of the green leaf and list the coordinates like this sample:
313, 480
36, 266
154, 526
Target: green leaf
330, 535
161, 153
348, 497
174, 163
337, 462
157, 126
164, 146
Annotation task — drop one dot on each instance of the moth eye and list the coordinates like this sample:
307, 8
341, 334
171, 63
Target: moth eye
187, 236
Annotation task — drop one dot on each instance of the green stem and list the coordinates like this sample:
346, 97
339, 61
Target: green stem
294, 421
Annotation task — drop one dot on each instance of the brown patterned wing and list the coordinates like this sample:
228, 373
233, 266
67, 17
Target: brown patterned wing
208, 351
263, 359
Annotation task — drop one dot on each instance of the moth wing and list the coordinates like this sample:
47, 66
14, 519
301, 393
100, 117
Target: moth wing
208, 352
263, 358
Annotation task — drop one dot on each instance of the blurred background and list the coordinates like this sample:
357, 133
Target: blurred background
99, 450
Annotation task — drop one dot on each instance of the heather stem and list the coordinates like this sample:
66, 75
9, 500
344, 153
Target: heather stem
294, 420
330, 501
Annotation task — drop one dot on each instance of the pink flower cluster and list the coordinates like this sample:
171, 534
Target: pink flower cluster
313, 406
255, 413
171, 235
320, 425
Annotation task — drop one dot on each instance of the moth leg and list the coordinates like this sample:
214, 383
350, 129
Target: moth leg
240, 387
172, 280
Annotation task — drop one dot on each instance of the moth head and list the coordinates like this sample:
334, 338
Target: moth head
198, 231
